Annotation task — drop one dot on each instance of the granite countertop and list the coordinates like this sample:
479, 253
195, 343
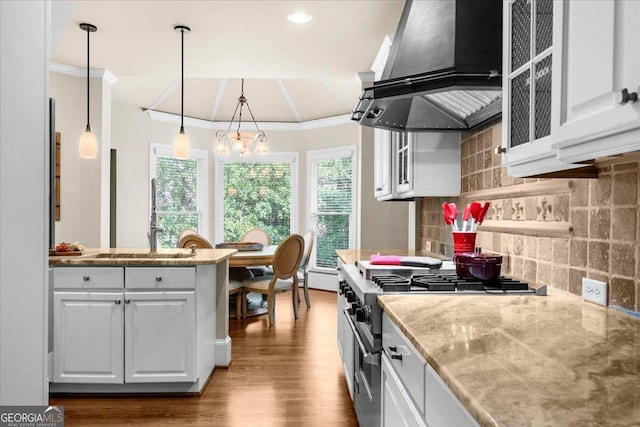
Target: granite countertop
350, 256
528, 360
124, 257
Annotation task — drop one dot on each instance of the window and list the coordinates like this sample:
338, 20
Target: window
256, 192
332, 184
181, 200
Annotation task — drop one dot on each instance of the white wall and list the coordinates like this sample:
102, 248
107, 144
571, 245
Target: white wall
133, 130
24, 52
82, 181
84, 203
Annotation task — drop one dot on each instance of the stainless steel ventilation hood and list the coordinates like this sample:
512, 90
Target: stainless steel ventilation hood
443, 71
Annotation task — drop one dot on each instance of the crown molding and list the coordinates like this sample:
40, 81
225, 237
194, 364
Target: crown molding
207, 124
99, 73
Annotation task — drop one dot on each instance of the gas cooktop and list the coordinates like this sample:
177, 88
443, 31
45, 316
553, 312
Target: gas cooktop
449, 282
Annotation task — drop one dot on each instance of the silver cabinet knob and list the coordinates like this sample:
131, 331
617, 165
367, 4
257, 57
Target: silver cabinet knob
85, 278
158, 278
118, 301
127, 301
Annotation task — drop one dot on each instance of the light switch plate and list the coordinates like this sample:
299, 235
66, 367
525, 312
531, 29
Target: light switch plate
594, 291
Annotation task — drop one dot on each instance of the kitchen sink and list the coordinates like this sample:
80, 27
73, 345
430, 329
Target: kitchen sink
144, 255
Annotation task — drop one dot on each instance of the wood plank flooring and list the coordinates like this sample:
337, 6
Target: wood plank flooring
286, 375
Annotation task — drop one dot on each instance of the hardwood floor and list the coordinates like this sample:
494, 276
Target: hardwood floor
286, 375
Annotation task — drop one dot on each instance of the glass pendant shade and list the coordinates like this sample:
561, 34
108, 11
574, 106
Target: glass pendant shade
181, 146
88, 146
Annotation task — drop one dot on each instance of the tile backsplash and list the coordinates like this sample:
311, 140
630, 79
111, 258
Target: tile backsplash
550, 231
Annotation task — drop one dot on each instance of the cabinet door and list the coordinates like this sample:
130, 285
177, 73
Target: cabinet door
402, 165
160, 337
529, 75
599, 48
396, 407
88, 337
346, 343
382, 163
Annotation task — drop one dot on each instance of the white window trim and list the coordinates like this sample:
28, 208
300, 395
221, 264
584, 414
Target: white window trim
274, 157
332, 153
202, 159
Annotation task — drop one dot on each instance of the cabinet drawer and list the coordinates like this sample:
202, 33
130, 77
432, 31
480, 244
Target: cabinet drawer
160, 278
406, 361
88, 277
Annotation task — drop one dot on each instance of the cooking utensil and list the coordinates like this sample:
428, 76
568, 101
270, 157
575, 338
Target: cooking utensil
478, 266
483, 212
465, 218
450, 212
474, 208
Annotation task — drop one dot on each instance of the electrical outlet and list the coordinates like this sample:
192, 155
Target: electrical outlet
594, 291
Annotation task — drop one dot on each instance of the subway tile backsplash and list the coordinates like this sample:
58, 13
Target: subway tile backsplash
577, 228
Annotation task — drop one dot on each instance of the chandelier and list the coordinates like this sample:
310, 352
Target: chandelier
241, 142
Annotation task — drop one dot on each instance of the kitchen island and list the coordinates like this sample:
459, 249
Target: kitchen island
131, 320
522, 359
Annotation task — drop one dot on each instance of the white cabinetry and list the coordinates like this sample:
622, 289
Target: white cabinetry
125, 325
382, 164
417, 164
160, 336
412, 392
530, 56
598, 79
571, 76
88, 337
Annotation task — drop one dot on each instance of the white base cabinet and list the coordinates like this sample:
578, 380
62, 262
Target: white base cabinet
160, 337
88, 337
133, 329
412, 392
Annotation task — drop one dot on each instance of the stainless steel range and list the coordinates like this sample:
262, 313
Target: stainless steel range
360, 317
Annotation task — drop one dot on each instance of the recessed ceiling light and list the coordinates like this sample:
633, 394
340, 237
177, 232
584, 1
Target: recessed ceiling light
299, 17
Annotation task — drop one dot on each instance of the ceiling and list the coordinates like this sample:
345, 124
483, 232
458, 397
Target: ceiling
293, 72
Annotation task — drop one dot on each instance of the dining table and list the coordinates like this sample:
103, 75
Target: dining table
253, 258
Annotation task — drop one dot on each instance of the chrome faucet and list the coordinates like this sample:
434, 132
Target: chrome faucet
154, 229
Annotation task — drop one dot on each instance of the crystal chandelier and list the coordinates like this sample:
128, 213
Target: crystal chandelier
241, 142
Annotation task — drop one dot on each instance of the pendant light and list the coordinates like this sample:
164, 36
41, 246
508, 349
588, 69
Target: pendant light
88, 146
181, 146
241, 142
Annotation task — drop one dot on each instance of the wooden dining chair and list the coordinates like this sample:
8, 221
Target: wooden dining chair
303, 271
190, 237
286, 261
258, 235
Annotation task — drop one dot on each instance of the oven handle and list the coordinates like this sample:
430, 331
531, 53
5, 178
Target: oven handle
369, 357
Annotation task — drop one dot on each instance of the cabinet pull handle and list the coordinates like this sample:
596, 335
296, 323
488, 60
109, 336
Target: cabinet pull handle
127, 301
393, 348
626, 97
500, 150
378, 188
158, 278
85, 278
118, 301
396, 356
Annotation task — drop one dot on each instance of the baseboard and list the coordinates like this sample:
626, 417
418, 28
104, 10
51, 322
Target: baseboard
223, 352
323, 281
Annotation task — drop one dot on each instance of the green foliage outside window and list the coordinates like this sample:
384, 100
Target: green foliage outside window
332, 216
257, 195
177, 202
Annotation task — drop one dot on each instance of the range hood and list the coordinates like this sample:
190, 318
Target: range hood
443, 71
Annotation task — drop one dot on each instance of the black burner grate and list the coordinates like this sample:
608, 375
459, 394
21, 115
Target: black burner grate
449, 281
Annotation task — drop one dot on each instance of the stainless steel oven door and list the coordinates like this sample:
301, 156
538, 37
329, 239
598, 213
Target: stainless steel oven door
366, 379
